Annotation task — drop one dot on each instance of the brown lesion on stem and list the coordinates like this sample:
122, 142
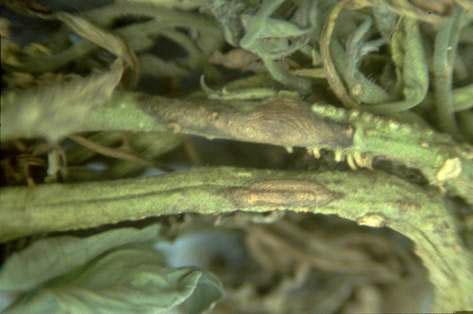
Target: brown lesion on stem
285, 193
284, 121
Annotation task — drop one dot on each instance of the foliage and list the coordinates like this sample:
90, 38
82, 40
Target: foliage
112, 272
237, 122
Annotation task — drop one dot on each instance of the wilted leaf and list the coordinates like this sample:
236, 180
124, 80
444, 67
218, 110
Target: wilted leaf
101, 38
129, 280
49, 258
58, 109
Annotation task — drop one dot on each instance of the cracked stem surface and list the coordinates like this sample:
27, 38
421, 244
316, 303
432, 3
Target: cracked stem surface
420, 214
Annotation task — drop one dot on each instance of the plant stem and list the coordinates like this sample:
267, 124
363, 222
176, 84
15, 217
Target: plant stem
284, 121
287, 122
372, 198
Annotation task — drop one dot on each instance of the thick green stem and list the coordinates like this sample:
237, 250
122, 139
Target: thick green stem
281, 121
371, 198
287, 122
441, 160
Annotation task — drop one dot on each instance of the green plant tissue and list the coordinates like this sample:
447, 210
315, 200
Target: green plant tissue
112, 272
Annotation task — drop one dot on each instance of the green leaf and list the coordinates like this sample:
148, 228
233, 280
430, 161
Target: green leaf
49, 258
128, 280
274, 28
207, 291
360, 87
411, 65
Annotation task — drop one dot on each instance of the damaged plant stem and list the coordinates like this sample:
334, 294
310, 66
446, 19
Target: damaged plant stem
287, 121
364, 196
373, 121
368, 197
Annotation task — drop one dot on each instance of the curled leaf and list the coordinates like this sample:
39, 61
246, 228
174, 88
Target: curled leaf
129, 280
32, 267
111, 272
104, 39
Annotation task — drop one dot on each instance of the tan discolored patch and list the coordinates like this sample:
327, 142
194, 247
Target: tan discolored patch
283, 193
372, 220
409, 205
284, 121
234, 59
450, 169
